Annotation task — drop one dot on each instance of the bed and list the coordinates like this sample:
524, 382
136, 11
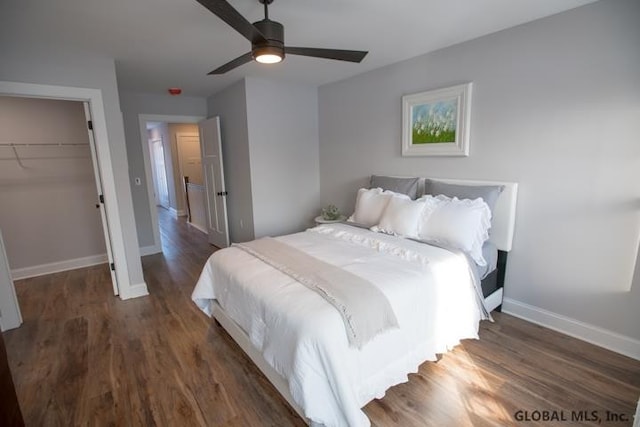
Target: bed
298, 340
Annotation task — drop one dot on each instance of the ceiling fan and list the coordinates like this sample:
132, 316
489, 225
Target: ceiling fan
267, 39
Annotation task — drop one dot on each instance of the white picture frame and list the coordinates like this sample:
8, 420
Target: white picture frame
437, 122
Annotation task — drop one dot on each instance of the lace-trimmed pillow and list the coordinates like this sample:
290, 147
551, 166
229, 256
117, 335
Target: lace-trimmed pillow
488, 193
401, 217
370, 204
460, 224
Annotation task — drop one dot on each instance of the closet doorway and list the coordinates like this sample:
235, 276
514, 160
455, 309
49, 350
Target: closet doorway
52, 211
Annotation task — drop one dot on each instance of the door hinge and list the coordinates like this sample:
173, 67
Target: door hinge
90, 124
113, 267
102, 199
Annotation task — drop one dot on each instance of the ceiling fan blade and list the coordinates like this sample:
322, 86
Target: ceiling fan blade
241, 60
223, 10
340, 55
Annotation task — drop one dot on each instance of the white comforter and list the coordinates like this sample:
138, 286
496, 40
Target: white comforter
303, 337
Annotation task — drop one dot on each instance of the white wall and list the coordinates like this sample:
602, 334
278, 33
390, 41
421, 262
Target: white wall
47, 208
283, 142
22, 62
556, 107
134, 104
231, 105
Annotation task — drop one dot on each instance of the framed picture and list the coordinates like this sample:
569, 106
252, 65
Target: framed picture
436, 122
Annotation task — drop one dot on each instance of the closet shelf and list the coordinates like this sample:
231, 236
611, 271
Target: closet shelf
44, 158
57, 144
16, 156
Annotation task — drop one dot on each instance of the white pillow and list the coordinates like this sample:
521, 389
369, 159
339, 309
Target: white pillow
401, 217
460, 224
370, 204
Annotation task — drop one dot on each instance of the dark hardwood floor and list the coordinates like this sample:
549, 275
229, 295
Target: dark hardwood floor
84, 357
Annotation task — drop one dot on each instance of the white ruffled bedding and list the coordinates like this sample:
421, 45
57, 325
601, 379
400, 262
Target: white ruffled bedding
303, 337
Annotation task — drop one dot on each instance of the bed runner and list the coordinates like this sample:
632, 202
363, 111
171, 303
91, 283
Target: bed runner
365, 310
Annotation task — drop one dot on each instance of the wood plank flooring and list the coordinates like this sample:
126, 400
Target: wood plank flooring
84, 357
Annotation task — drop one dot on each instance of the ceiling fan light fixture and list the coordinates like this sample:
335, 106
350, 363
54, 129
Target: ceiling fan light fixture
268, 59
268, 54
267, 39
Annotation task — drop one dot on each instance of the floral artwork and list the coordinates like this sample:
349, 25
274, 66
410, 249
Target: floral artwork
436, 123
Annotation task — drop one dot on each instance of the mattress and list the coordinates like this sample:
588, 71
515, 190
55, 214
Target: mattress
302, 337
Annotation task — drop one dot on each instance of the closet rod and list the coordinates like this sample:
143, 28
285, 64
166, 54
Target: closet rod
43, 158
58, 144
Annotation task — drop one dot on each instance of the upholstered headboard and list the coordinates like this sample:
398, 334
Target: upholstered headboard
504, 212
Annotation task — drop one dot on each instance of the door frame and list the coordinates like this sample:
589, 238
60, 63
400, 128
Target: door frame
146, 156
100, 194
103, 156
10, 315
154, 172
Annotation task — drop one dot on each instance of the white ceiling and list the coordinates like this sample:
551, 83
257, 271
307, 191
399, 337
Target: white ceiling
164, 43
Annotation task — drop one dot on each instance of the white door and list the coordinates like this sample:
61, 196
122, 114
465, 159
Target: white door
102, 201
10, 316
160, 173
190, 157
211, 144
189, 165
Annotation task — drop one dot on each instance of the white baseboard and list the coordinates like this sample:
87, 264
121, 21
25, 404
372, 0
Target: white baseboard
150, 250
198, 227
601, 337
177, 213
56, 267
134, 291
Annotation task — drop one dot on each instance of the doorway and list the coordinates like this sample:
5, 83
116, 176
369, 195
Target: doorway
103, 172
166, 128
51, 198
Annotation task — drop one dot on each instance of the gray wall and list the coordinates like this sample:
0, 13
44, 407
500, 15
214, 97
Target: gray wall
283, 141
270, 148
230, 105
134, 104
47, 208
556, 107
21, 62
